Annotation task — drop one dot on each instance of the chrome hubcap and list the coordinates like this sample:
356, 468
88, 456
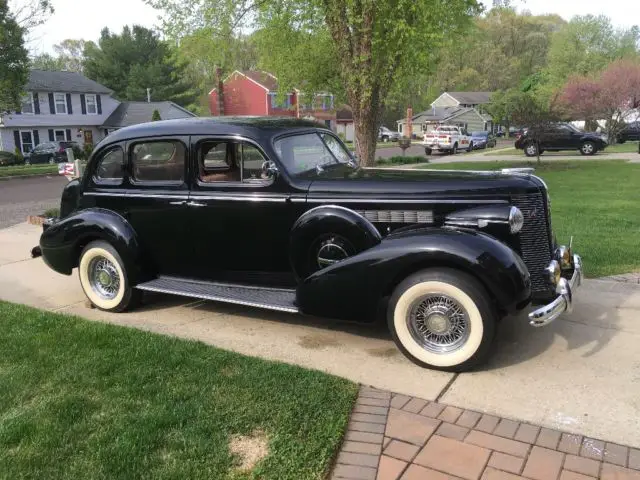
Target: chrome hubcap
531, 150
587, 148
332, 250
104, 278
439, 323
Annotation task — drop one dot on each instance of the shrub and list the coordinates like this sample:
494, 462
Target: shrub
88, 150
400, 160
155, 116
51, 212
19, 156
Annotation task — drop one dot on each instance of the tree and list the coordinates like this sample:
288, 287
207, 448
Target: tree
14, 73
368, 44
71, 54
613, 95
135, 60
46, 61
155, 116
30, 14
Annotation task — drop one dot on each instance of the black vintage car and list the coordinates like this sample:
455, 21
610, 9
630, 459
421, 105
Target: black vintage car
558, 137
275, 213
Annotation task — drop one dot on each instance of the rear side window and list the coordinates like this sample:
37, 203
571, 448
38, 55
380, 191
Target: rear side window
162, 161
110, 167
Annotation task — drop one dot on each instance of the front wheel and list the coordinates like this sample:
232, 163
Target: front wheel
104, 279
428, 151
470, 149
454, 150
442, 319
51, 160
385, 139
531, 150
588, 148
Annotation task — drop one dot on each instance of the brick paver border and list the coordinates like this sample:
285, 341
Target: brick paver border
396, 437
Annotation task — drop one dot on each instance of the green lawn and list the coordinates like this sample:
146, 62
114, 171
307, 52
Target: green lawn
26, 170
627, 147
598, 202
378, 145
81, 399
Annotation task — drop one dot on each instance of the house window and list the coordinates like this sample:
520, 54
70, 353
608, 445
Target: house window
59, 136
61, 102
92, 108
27, 104
327, 102
26, 140
276, 103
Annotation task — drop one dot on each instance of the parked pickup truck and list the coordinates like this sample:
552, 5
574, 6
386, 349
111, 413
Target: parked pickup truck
447, 138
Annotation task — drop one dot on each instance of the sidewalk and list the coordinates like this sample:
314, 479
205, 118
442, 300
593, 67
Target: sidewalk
392, 437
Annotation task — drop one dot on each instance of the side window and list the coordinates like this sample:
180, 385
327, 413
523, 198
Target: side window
110, 167
252, 164
336, 148
225, 161
161, 161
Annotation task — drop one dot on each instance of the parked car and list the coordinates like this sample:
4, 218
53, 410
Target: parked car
558, 137
446, 138
50, 152
386, 135
482, 140
274, 213
7, 158
630, 133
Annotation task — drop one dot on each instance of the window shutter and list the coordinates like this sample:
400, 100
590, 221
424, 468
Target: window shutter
52, 105
16, 139
36, 104
51, 136
69, 109
68, 133
36, 137
83, 104
99, 102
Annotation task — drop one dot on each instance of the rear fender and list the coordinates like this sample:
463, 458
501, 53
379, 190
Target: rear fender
62, 242
352, 288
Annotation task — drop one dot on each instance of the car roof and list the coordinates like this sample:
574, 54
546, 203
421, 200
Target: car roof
253, 127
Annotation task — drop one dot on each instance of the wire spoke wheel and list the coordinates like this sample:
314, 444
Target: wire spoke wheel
438, 323
104, 278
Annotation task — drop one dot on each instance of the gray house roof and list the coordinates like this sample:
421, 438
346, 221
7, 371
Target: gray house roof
438, 114
67, 82
471, 98
133, 113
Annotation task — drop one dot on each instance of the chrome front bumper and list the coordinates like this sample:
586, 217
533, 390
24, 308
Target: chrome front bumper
563, 303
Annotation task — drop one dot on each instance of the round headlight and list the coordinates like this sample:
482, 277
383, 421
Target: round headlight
553, 272
516, 220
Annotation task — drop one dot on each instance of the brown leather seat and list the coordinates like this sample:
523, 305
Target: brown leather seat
231, 175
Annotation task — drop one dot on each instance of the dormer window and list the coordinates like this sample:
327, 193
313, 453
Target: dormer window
27, 103
61, 102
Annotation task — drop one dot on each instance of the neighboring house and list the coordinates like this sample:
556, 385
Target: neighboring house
64, 105
465, 109
256, 93
344, 123
133, 113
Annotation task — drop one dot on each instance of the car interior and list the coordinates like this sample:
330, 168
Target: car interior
218, 162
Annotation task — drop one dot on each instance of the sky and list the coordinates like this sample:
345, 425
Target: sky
86, 18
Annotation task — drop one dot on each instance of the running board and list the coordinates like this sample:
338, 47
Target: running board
280, 299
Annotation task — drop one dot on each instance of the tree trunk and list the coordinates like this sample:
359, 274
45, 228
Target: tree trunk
366, 136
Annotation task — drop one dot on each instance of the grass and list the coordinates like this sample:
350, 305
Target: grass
397, 160
598, 202
27, 170
351, 145
81, 399
627, 147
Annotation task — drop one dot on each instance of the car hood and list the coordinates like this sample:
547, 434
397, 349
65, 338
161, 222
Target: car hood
390, 183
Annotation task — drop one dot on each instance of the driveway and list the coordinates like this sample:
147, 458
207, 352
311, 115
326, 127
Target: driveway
581, 374
28, 196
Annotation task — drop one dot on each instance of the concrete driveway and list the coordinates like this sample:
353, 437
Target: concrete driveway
580, 374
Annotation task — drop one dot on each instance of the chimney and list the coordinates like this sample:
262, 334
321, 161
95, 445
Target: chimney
220, 91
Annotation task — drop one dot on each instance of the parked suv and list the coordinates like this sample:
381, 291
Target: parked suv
50, 152
386, 135
561, 136
630, 133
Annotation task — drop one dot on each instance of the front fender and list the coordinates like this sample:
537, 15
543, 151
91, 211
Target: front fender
352, 288
62, 242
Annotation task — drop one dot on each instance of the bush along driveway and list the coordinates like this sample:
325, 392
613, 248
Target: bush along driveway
81, 399
28, 170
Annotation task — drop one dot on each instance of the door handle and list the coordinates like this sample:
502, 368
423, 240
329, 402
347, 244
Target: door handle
195, 204
179, 202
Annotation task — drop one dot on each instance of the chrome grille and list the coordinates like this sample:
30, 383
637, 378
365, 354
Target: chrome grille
534, 237
398, 216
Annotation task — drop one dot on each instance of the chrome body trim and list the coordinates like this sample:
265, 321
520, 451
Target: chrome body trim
563, 303
405, 200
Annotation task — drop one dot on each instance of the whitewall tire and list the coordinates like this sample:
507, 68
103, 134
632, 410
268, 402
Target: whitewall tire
104, 279
442, 319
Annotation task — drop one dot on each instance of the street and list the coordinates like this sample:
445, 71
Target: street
28, 196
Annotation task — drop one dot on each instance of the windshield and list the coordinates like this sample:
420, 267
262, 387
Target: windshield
311, 151
480, 134
573, 127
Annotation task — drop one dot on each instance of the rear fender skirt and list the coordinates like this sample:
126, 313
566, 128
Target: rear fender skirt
352, 288
62, 242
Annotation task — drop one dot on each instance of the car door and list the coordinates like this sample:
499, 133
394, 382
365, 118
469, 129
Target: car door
145, 181
240, 214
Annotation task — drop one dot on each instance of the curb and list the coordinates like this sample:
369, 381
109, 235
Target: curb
35, 175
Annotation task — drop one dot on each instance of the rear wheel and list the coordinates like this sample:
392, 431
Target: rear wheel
470, 149
104, 279
428, 151
385, 139
51, 160
454, 150
442, 319
588, 148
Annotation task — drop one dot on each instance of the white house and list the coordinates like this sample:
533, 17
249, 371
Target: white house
64, 105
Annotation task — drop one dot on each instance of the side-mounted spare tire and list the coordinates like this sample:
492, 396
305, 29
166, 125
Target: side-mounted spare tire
327, 234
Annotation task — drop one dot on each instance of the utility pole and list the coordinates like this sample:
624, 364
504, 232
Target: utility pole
148, 95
